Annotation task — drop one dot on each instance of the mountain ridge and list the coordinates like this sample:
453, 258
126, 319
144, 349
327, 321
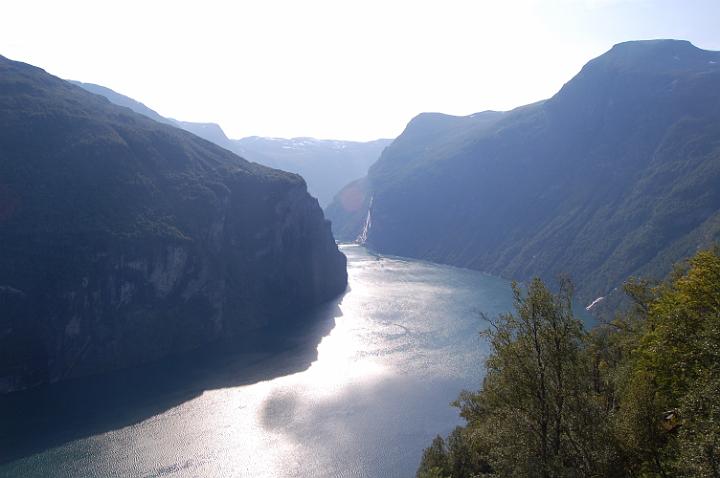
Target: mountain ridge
326, 164
612, 176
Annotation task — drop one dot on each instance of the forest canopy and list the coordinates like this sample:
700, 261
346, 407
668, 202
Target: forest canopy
636, 396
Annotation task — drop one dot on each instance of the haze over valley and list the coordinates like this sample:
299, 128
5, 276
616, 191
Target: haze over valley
385, 239
326, 165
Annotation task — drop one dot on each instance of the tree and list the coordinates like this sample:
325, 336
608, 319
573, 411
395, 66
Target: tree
638, 396
536, 410
435, 462
670, 408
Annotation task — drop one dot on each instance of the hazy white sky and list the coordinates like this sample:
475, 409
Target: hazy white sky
335, 68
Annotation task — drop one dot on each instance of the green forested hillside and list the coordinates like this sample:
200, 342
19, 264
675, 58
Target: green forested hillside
615, 175
635, 397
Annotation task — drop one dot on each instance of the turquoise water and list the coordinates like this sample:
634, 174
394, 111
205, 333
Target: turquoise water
359, 393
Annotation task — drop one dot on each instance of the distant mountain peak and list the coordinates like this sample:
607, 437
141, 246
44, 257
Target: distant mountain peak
630, 70
212, 132
654, 56
660, 43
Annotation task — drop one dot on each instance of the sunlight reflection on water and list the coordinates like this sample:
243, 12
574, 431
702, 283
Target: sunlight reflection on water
404, 344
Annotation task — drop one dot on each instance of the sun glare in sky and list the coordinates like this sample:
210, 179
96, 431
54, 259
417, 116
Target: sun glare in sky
332, 68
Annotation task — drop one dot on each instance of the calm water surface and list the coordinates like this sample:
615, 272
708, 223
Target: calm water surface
359, 395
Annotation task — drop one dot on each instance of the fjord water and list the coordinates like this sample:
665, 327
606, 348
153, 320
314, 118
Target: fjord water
359, 394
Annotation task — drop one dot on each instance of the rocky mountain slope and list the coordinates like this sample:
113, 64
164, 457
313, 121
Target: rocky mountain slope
123, 239
618, 174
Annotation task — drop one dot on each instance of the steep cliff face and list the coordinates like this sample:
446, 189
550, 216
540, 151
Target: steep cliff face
615, 175
123, 240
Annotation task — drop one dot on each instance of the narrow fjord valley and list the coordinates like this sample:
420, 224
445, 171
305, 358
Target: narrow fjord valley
616, 175
527, 291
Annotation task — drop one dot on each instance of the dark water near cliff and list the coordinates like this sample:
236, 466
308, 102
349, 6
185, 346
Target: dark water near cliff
358, 395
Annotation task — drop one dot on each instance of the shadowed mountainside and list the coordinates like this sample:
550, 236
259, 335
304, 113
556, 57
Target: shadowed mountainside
615, 175
52, 415
124, 240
